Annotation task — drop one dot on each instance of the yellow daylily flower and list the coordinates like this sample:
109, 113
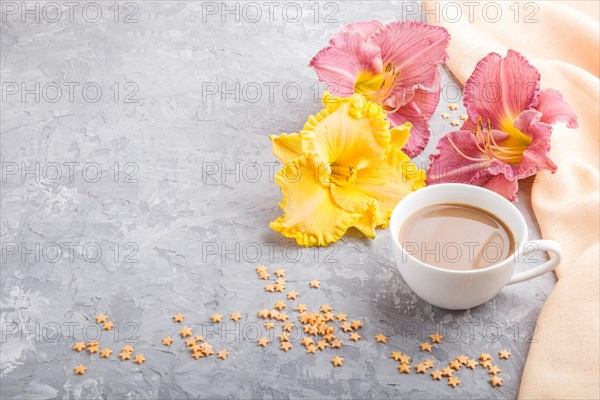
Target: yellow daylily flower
344, 169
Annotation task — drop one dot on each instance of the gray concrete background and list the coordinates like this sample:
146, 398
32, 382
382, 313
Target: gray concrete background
176, 233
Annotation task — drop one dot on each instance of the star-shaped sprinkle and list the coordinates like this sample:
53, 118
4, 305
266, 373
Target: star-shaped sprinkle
236, 316
436, 375
446, 116
186, 332
404, 368
421, 368
471, 363
108, 326
167, 341
462, 359
404, 359
454, 364
436, 338
261, 268
80, 369
453, 107
381, 338
139, 359
307, 341
288, 326
485, 357
263, 341
341, 317
106, 352
195, 347
207, 349
79, 346
355, 336
269, 325
197, 355
292, 295
280, 305
199, 338
485, 364
426, 346
496, 381
179, 317
284, 337
279, 287
101, 318
314, 284
93, 344
429, 363
301, 308
453, 381
279, 272
222, 354
504, 354
356, 324
396, 355
216, 318
270, 288
337, 361
264, 313
494, 370
448, 372
286, 346
325, 308
464, 117
125, 355
127, 349
346, 327
190, 342
321, 345
93, 349
311, 349
336, 344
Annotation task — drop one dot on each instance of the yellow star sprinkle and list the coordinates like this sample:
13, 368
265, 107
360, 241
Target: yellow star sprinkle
139, 359
356, 324
93, 349
125, 355
108, 326
269, 288
167, 341
79, 370
485, 364
355, 336
464, 117
453, 107
79, 346
426, 346
190, 342
216, 318
404, 368
264, 313
455, 122
280, 305
306, 341
292, 295
100, 318
436, 375
325, 308
222, 354
396, 355
455, 365
186, 332
178, 317
341, 317
279, 272
127, 349
269, 325
301, 308
106, 352
485, 357
453, 381
285, 346
404, 359
311, 349
337, 361
336, 344
448, 372
263, 341
321, 345
236, 316
197, 355
504, 354
421, 368
346, 327
314, 284
496, 381
284, 337
494, 370
381, 338
436, 338
462, 359
471, 363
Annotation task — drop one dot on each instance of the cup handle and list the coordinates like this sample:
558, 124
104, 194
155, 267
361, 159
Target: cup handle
533, 246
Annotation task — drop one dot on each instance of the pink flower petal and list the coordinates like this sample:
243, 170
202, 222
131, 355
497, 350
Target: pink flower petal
536, 157
415, 49
503, 186
340, 63
501, 88
554, 109
365, 28
419, 133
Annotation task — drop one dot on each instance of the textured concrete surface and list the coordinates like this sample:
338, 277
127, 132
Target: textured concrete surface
153, 196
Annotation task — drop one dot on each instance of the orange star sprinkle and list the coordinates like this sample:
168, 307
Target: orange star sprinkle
106, 352
381, 338
285, 346
336, 344
79, 346
453, 381
356, 324
494, 370
485, 357
279, 272
80, 369
404, 368
292, 295
222, 354
404, 359
355, 336
341, 317
301, 308
100, 318
448, 372
185, 332
125, 355
325, 308
236, 316
216, 318
471, 363
396, 355
436, 338
280, 305
337, 361
455, 365
421, 368
426, 346
462, 359
179, 317
269, 288
436, 375
314, 284
108, 326
139, 359
263, 341
496, 381
167, 341
504, 354
311, 349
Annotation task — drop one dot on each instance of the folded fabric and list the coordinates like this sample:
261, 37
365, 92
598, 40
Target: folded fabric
563, 360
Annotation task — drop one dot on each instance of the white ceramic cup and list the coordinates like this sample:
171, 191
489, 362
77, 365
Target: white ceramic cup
462, 289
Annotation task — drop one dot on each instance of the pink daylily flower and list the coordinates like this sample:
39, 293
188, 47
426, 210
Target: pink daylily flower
395, 65
507, 135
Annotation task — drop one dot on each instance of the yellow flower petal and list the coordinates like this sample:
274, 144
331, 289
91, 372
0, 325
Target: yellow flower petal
286, 147
350, 133
400, 135
387, 183
311, 216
